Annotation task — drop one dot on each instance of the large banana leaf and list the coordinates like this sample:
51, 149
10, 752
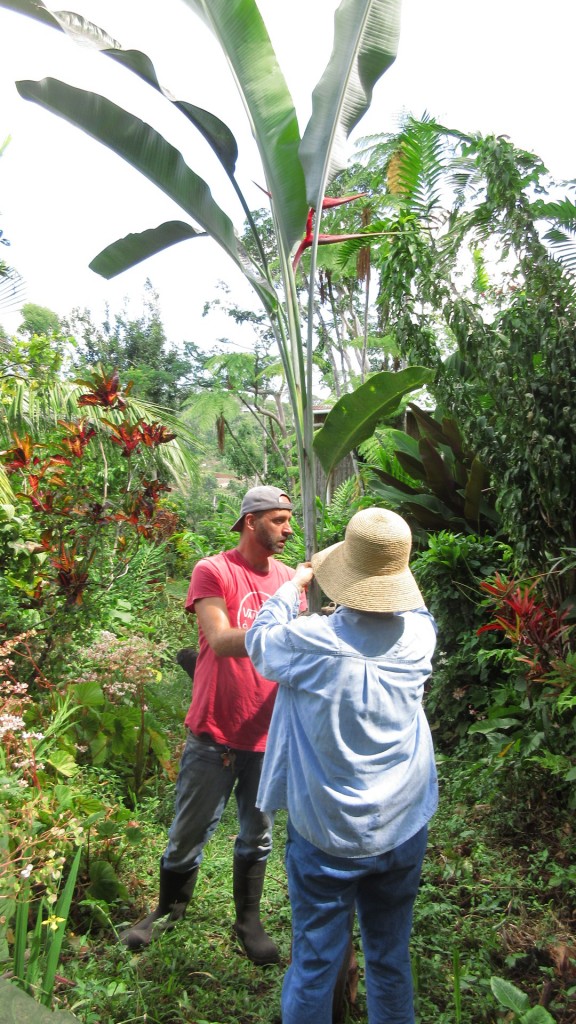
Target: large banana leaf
239, 27
355, 417
216, 133
365, 44
146, 150
34, 9
135, 247
73, 25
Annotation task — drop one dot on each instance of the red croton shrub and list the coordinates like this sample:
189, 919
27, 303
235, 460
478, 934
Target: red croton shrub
87, 508
539, 631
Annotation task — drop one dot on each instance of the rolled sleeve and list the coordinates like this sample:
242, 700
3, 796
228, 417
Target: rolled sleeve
268, 639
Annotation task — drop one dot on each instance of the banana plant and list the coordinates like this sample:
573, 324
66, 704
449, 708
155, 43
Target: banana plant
296, 170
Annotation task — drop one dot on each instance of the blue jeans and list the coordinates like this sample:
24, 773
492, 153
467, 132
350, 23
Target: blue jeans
323, 892
207, 776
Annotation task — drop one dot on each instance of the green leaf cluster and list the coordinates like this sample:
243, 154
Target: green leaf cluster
427, 475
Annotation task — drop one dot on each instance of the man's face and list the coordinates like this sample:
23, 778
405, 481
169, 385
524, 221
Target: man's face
272, 530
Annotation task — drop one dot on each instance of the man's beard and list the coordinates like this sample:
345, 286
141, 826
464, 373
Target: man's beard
269, 542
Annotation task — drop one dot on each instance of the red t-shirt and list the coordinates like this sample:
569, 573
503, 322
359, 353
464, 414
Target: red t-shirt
231, 701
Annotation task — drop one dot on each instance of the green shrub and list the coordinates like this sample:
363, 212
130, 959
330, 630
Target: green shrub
466, 667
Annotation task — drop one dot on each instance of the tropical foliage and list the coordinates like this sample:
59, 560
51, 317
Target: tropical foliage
426, 473
297, 170
468, 284
466, 247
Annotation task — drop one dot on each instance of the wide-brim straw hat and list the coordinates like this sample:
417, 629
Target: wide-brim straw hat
368, 570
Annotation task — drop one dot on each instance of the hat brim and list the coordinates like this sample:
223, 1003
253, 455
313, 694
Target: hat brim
344, 584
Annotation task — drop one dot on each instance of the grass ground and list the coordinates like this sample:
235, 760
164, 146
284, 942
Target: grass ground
487, 907
497, 899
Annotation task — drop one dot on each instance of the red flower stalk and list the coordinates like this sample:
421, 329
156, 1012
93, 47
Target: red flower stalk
327, 203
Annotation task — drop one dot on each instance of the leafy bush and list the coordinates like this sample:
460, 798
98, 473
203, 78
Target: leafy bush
115, 726
86, 495
466, 666
531, 718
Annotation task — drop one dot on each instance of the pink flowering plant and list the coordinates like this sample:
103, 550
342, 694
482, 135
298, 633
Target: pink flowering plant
31, 757
39, 832
119, 680
61, 829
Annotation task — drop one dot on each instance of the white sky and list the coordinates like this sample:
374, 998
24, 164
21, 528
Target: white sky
502, 66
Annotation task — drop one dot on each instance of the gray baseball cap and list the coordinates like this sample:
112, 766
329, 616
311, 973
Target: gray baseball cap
261, 499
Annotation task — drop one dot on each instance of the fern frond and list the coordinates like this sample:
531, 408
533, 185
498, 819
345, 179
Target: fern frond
379, 452
343, 497
147, 567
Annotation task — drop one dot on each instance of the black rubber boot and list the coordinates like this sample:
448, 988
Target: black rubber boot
248, 886
175, 894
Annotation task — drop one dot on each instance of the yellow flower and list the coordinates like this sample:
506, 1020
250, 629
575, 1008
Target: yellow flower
52, 922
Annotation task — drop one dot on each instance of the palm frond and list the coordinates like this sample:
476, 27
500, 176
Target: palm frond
29, 409
147, 567
561, 235
12, 289
204, 407
6, 492
419, 164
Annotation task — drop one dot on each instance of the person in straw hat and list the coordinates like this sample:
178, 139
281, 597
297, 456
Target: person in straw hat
350, 756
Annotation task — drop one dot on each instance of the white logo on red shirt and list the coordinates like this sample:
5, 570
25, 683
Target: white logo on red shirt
249, 607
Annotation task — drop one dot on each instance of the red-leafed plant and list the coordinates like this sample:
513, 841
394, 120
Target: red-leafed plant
104, 391
84, 511
539, 631
531, 717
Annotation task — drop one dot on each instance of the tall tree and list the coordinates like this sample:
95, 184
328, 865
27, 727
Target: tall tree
136, 346
38, 320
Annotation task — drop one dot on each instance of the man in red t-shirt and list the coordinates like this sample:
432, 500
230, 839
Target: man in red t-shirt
227, 725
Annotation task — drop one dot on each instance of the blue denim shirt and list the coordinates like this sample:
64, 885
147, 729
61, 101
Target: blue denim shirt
349, 750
